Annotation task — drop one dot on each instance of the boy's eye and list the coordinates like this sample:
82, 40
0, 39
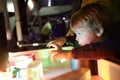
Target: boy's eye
78, 33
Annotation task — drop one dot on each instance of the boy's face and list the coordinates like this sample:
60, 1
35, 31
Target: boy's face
85, 35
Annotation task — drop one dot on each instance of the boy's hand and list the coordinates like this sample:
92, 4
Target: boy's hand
55, 53
59, 53
56, 46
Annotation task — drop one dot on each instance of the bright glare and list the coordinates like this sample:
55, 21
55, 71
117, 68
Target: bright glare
49, 2
62, 60
63, 18
35, 44
30, 4
104, 69
10, 7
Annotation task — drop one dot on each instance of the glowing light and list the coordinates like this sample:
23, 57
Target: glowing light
5, 76
62, 60
35, 44
64, 18
103, 69
30, 4
10, 7
49, 2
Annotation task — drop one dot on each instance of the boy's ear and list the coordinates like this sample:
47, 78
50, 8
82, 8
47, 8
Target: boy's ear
99, 31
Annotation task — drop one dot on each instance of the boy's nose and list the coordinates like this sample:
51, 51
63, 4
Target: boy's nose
76, 39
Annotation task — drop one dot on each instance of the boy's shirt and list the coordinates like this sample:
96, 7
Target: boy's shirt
104, 49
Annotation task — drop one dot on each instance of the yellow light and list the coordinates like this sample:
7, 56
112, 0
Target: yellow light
104, 69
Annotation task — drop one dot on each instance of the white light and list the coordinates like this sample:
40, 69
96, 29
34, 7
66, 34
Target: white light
10, 6
30, 4
62, 60
63, 18
35, 44
49, 2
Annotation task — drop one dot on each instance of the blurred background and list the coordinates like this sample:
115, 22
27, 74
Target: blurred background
39, 21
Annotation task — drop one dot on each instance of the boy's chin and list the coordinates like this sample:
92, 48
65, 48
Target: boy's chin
82, 44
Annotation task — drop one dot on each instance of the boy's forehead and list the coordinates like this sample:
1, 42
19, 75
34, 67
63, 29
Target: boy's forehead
77, 28
79, 25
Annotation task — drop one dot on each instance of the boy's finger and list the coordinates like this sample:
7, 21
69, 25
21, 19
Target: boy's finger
53, 57
57, 47
52, 53
48, 45
53, 60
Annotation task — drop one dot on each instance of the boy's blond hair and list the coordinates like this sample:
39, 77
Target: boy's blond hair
92, 15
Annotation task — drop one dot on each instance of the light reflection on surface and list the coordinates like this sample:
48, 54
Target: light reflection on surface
22, 59
108, 70
104, 70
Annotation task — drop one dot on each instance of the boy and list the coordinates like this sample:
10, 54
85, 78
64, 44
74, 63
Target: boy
90, 24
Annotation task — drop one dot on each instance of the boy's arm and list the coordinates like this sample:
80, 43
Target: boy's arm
94, 52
